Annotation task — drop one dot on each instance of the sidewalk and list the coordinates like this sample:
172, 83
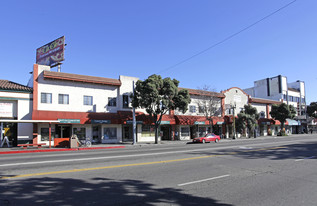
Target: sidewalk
15, 150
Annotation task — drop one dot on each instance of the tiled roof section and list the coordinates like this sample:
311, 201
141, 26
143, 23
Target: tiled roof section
293, 90
264, 101
8, 85
204, 93
81, 78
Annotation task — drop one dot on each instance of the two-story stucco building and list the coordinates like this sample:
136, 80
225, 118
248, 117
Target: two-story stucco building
91, 107
234, 101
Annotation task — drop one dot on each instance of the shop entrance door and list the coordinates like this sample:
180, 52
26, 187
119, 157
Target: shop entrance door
193, 130
127, 133
166, 132
63, 131
96, 134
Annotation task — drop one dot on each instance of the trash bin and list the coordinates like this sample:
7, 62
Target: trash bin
73, 142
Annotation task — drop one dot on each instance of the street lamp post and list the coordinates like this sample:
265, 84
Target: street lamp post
234, 121
134, 121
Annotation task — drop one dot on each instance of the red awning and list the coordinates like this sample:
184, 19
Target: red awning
121, 117
269, 121
84, 117
192, 120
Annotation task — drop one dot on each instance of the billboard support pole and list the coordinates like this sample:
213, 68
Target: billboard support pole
59, 68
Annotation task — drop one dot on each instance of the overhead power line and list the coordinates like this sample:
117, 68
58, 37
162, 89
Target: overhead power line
227, 38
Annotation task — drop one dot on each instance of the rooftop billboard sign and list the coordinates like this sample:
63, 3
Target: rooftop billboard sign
52, 53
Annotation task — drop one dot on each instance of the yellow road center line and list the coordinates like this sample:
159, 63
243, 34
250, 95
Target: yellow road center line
127, 165
106, 167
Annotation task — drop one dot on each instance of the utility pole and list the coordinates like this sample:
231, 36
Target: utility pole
234, 122
134, 121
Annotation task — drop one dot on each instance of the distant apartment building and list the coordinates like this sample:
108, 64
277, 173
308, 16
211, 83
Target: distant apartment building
278, 89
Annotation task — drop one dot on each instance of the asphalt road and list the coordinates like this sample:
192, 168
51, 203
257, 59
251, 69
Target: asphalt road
265, 171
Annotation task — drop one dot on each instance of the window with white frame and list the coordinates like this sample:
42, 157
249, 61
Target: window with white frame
110, 133
192, 108
112, 101
88, 100
46, 98
63, 99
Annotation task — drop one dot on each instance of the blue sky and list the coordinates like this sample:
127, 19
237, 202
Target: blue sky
142, 37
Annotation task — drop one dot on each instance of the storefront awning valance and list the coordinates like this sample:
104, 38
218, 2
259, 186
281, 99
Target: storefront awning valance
267, 121
195, 120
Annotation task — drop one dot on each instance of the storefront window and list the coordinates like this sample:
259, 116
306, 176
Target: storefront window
110, 133
80, 132
45, 134
202, 131
185, 131
148, 130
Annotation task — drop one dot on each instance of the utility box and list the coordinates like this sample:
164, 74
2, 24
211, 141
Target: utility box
73, 142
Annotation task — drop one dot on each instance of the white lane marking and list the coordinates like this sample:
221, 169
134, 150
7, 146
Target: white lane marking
305, 158
246, 148
204, 180
140, 155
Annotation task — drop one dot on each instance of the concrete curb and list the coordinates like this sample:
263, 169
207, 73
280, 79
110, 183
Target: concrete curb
60, 150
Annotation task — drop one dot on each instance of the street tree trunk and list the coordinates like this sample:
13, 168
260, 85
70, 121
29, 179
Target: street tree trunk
156, 133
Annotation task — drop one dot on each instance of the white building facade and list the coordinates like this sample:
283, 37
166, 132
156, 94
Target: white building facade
94, 108
16, 107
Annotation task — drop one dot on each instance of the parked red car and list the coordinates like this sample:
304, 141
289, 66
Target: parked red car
210, 137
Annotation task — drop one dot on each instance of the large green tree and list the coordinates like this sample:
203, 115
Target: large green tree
157, 96
247, 119
312, 109
282, 112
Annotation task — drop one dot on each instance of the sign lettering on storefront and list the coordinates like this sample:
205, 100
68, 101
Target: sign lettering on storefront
69, 120
165, 122
199, 122
131, 122
100, 121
